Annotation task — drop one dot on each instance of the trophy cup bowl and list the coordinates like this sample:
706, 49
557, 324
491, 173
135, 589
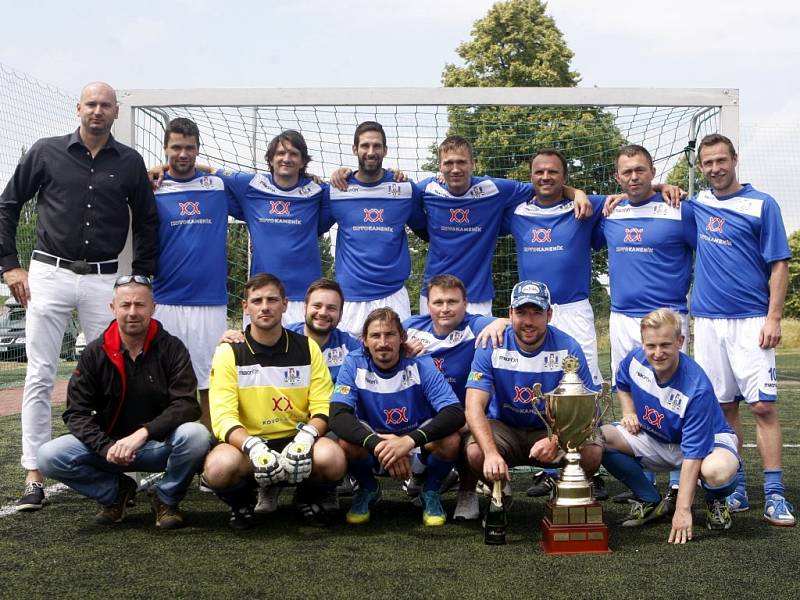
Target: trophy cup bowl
573, 522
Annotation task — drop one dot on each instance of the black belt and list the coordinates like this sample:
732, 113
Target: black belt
79, 267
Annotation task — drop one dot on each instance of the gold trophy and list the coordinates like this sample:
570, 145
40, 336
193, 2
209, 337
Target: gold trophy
573, 521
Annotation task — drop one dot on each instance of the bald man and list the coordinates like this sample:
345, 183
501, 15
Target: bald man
85, 183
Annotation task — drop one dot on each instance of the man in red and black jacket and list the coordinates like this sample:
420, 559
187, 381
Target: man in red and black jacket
131, 406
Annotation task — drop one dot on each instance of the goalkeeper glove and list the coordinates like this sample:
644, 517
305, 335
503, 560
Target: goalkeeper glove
296, 456
267, 466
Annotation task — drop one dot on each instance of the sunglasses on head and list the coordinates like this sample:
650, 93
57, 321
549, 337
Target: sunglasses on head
126, 279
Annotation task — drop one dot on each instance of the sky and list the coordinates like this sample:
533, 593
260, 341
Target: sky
740, 44
750, 46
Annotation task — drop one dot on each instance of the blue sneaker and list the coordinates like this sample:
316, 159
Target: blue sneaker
363, 500
737, 501
778, 511
433, 514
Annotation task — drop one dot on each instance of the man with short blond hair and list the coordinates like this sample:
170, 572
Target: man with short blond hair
670, 419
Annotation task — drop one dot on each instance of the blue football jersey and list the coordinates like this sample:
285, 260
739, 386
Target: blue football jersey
738, 236
284, 227
554, 247
451, 354
682, 411
193, 230
339, 345
516, 379
463, 229
650, 247
372, 259
396, 401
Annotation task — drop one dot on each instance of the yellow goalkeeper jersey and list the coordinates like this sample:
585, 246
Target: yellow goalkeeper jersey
268, 390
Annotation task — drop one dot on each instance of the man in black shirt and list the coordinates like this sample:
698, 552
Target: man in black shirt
86, 185
131, 406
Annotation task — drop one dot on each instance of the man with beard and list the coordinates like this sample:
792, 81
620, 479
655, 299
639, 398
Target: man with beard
505, 381
193, 210
372, 259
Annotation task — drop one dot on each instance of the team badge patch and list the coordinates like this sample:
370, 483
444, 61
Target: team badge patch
475, 376
341, 389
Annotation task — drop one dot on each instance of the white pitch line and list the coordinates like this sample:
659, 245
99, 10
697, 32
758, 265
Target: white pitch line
51, 490
57, 488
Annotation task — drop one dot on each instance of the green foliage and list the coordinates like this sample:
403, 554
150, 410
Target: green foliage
792, 306
516, 44
238, 247
679, 175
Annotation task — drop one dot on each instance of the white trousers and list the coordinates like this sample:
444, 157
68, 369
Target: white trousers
55, 293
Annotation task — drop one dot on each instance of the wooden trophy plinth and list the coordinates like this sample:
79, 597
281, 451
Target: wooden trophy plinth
574, 529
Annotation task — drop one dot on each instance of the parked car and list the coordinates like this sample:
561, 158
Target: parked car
12, 333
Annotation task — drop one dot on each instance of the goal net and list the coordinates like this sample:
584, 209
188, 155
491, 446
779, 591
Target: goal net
506, 126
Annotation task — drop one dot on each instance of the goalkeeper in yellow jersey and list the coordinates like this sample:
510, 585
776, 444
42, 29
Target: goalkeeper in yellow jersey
268, 398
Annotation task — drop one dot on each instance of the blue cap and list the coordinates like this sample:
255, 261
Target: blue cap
530, 292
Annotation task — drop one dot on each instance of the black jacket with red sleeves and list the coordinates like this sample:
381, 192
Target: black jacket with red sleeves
97, 392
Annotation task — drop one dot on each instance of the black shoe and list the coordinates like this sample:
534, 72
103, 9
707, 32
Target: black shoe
599, 490
670, 500
348, 487
115, 512
241, 518
543, 485
308, 502
623, 497
449, 482
32, 498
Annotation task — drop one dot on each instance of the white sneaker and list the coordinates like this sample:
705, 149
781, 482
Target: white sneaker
267, 499
467, 508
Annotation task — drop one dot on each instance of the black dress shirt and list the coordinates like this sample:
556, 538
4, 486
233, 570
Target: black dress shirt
82, 203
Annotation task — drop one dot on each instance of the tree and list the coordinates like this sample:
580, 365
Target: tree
791, 308
518, 44
679, 175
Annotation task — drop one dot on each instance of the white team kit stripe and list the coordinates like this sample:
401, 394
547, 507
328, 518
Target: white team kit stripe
479, 190
433, 344
670, 399
257, 376
367, 380
512, 360
651, 210
743, 206
206, 183
387, 190
531, 209
262, 183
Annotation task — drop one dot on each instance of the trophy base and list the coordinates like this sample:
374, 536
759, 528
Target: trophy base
574, 530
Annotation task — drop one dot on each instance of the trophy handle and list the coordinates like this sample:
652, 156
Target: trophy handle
543, 417
604, 397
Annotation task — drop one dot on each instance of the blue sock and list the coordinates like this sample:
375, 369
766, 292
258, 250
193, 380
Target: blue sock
551, 472
629, 471
773, 482
437, 471
720, 492
674, 478
651, 476
361, 470
740, 479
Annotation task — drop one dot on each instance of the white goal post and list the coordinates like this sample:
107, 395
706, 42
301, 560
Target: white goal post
505, 124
